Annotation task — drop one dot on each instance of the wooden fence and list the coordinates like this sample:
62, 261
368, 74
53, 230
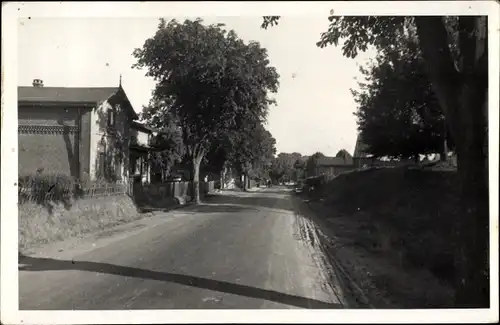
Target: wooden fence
169, 190
48, 192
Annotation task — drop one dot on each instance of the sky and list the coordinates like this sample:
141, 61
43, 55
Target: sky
314, 110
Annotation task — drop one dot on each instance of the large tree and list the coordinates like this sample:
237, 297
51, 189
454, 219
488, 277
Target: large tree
455, 52
209, 80
265, 150
283, 166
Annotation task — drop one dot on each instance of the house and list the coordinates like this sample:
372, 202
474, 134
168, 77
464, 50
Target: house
80, 132
333, 166
141, 148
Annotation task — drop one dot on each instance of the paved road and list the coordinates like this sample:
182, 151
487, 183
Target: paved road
241, 250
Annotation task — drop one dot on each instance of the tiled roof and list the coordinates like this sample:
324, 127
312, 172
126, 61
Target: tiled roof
63, 94
71, 95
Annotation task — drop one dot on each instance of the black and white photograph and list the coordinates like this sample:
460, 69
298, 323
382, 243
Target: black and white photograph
250, 158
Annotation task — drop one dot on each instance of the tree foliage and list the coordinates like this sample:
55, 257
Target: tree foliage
343, 154
167, 141
209, 80
251, 150
398, 113
283, 166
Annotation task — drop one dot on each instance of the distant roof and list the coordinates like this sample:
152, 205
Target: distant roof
333, 161
70, 95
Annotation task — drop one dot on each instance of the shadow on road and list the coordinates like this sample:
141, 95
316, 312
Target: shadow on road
217, 208
275, 191
49, 264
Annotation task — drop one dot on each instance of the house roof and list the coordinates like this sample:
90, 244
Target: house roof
143, 127
63, 94
71, 95
333, 161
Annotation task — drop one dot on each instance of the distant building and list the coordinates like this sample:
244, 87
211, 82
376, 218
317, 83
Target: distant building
333, 166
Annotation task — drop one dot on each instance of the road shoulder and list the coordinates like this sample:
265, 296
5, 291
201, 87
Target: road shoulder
90, 241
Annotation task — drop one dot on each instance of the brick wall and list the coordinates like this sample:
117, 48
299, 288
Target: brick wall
47, 152
49, 139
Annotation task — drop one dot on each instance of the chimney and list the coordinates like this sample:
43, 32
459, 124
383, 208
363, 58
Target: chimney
37, 83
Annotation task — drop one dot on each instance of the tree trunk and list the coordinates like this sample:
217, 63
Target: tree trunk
472, 230
443, 155
463, 98
244, 182
196, 179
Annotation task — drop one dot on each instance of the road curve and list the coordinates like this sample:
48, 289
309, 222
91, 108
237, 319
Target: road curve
238, 251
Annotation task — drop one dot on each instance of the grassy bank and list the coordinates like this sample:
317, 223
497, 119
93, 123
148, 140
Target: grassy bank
399, 216
39, 224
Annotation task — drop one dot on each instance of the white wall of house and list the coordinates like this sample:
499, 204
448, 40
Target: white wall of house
98, 136
142, 138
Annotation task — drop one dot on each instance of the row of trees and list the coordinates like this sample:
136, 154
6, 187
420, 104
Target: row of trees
211, 99
428, 84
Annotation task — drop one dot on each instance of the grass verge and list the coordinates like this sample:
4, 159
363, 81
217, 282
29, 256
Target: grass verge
398, 218
39, 225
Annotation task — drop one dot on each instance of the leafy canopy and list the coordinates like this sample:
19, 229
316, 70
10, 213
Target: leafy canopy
398, 113
208, 80
168, 139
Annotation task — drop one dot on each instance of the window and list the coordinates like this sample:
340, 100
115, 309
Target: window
118, 169
132, 165
144, 169
111, 116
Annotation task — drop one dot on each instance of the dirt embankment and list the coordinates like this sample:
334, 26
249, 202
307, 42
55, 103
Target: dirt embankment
390, 228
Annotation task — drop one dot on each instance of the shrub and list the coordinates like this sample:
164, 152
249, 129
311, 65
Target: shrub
42, 187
